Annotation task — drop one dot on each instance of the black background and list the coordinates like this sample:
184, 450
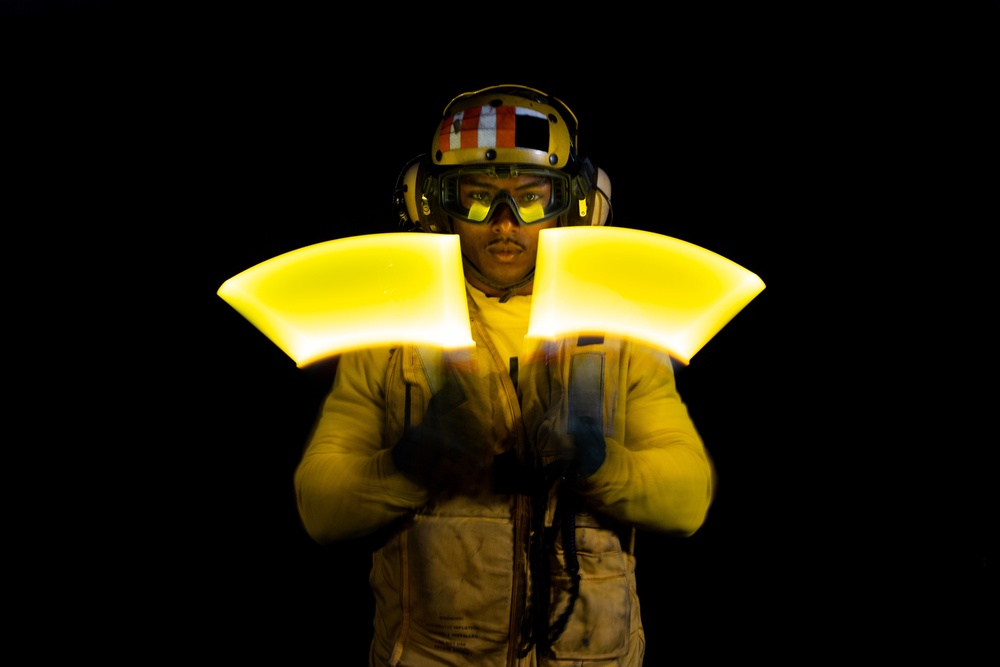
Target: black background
163, 149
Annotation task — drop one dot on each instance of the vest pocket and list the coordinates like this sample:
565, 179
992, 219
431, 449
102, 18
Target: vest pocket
600, 624
443, 591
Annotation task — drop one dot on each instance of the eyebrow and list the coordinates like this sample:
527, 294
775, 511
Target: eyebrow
489, 184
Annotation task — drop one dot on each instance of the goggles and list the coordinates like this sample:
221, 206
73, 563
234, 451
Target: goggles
534, 194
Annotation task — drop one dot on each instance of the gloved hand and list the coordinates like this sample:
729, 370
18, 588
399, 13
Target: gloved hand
573, 456
451, 451
569, 440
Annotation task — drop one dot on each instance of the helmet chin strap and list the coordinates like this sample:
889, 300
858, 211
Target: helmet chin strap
508, 290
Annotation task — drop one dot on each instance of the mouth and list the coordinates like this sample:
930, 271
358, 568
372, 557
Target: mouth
505, 250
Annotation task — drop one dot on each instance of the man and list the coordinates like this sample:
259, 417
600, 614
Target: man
504, 485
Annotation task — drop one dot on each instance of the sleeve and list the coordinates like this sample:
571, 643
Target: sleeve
346, 484
657, 474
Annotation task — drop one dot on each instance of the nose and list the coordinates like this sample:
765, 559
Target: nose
504, 218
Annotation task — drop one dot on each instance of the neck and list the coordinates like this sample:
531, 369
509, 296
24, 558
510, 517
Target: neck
493, 288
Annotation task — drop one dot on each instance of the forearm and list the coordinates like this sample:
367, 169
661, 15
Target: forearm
343, 496
666, 489
346, 484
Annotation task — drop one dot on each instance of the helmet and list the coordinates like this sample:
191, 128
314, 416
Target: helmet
502, 132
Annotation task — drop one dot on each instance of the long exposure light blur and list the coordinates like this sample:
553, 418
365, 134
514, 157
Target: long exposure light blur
408, 287
609, 280
360, 291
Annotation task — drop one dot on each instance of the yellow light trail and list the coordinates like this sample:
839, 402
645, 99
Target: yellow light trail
627, 282
408, 287
360, 291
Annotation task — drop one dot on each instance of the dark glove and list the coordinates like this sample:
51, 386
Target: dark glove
576, 456
570, 440
450, 451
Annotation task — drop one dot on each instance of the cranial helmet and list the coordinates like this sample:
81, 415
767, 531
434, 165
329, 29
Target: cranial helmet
502, 132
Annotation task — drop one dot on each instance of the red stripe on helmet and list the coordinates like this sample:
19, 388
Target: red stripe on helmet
506, 124
470, 127
466, 123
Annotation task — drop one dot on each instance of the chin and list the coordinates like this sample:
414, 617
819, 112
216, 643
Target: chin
509, 278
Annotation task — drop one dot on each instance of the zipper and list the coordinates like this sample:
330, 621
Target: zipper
522, 524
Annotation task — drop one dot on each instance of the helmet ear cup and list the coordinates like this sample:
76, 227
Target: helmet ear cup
402, 197
416, 199
410, 193
602, 199
592, 190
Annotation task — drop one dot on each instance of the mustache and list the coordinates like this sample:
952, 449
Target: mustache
505, 242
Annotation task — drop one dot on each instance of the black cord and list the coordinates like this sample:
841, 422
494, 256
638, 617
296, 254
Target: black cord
567, 507
535, 622
536, 628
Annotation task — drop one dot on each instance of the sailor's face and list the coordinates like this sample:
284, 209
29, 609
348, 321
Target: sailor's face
503, 249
